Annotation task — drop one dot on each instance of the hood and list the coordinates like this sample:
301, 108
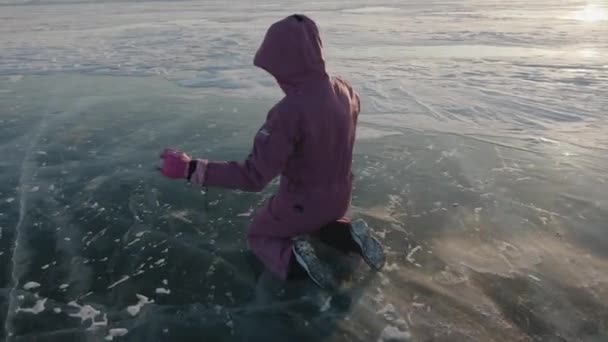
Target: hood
292, 52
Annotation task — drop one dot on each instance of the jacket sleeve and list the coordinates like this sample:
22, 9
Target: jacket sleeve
354, 101
272, 146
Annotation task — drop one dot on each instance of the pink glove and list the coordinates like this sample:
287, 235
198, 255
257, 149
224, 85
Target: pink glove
174, 164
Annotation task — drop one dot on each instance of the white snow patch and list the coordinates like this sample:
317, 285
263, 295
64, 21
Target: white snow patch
133, 310
31, 285
87, 312
116, 332
162, 290
326, 305
121, 280
133, 242
394, 334
36, 309
388, 312
245, 214
410, 255
418, 305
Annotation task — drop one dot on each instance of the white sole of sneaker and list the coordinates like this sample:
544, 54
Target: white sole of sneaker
357, 230
302, 263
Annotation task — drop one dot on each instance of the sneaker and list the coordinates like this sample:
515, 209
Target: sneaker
371, 249
307, 258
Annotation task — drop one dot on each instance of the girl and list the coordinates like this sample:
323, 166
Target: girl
308, 140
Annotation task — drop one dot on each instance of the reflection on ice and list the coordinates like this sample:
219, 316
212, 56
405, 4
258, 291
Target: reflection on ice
592, 13
589, 53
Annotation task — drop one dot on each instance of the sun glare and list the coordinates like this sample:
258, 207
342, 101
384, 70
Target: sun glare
591, 13
589, 53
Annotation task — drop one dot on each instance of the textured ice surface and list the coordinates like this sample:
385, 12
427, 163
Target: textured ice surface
481, 165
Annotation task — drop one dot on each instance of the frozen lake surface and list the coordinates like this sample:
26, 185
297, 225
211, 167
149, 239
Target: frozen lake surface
481, 163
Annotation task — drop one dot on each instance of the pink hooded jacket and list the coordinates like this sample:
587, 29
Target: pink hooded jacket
307, 139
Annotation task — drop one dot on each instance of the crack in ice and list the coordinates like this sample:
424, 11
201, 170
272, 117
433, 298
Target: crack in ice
26, 174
